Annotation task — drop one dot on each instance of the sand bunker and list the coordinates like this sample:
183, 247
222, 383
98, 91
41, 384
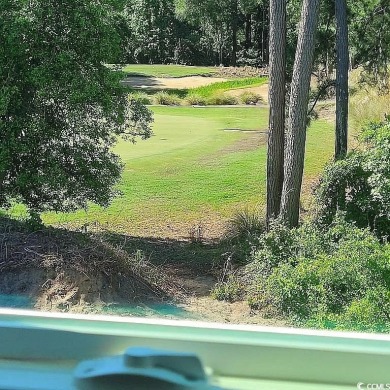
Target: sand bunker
170, 83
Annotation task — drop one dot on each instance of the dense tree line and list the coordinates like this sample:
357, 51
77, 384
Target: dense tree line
194, 32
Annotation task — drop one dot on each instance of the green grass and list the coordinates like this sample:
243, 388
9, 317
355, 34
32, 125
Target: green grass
168, 70
189, 172
223, 86
212, 94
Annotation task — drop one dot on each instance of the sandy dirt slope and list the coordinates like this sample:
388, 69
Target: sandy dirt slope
170, 83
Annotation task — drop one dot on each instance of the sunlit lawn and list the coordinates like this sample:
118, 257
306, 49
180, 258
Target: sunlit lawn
189, 171
168, 70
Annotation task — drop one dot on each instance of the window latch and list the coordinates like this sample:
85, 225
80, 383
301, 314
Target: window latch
143, 368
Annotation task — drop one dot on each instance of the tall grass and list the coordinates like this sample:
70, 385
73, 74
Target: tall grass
368, 105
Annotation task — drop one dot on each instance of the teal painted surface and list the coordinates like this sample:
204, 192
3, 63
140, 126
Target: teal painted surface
41, 349
16, 301
162, 310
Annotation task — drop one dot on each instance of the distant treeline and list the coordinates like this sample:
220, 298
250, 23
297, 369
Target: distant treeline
236, 32
209, 32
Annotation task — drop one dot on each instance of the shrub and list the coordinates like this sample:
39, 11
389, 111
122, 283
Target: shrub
196, 100
368, 314
242, 234
248, 97
360, 184
230, 291
166, 99
322, 278
245, 224
220, 99
141, 97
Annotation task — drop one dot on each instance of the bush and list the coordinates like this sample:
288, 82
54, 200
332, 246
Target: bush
221, 99
248, 97
245, 224
322, 278
166, 99
196, 100
229, 291
141, 97
242, 234
369, 314
360, 184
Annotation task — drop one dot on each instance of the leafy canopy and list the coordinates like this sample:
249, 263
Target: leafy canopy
61, 108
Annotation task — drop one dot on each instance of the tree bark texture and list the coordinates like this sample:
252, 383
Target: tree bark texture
277, 96
297, 118
248, 31
342, 58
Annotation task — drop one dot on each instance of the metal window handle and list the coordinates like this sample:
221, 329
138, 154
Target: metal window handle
143, 368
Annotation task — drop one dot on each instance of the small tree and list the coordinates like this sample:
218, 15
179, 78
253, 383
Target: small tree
61, 109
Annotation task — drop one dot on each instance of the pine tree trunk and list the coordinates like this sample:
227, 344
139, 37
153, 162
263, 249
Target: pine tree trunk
234, 33
342, 53
277, 93
297, 117
248, 31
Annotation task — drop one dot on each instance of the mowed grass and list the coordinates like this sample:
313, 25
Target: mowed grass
193, 172
168, 70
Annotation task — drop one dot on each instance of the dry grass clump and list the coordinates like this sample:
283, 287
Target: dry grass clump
166, 99
250, 98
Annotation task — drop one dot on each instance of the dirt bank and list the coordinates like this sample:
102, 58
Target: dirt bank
59, 270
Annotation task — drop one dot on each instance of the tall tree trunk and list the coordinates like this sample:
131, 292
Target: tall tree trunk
342, 54
248, 31
234, 44
297, 117
234, 33
277, 102
265, 36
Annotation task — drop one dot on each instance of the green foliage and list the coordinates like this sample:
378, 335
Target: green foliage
250, 98
152, 32
230, 290
371, 39
242, 234
166, 99
339, 277
61, 109
360, 184
368, 314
